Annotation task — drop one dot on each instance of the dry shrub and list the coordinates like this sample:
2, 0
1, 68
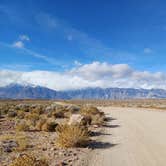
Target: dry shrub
20, 114
67, 114
4, 137
59, 113
45, 125
28, 160
22, 126
93, 116
72, 136
49, 126
22, 142
38, 110
73, 109
40, 123
87, 120
4, 110
12, 114
98, 120
89, 110
23, 107
65, 111
1, 151
33, 117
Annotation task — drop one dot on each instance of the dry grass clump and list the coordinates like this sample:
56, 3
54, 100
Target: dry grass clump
86, 121
89, 110
28, 160
38, 110
32, 117
72, 136
23, 107
93, 116
22, 126
20, 114
73, 109
40, 123
59, 114
46, 125
64, 111
22, 142
4, 110
12, 114
6, 137
98, 120
49, 126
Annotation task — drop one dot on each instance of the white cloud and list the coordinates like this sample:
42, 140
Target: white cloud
95, 74
18, 44
148, 50
77, 63
97, 70
24, 38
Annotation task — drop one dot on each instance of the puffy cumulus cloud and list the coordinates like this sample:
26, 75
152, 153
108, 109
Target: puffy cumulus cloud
97, 71
18, 44
96, 74
8, 77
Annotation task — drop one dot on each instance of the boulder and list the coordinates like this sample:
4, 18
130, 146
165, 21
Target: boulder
75, 119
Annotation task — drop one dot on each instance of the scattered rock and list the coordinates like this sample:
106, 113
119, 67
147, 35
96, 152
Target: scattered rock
75, 119
73, 109
95, 126
44, 149
8, 146
70, 160
53, 149
61, 164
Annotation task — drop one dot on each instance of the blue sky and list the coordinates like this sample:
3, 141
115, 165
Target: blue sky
60, 36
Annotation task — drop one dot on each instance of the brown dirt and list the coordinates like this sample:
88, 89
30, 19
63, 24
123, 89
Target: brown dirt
134, 137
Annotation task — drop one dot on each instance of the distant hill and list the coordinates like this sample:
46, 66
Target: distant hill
15, 91
116, 93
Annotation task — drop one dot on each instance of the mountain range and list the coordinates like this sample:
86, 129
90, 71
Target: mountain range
16, 91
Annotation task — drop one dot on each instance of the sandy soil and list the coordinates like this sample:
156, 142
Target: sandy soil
134, 137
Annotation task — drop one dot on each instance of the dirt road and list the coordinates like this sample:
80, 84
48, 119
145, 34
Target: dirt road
134, 137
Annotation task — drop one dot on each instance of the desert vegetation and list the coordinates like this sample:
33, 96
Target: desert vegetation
46, 132
42, 132
159, 104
